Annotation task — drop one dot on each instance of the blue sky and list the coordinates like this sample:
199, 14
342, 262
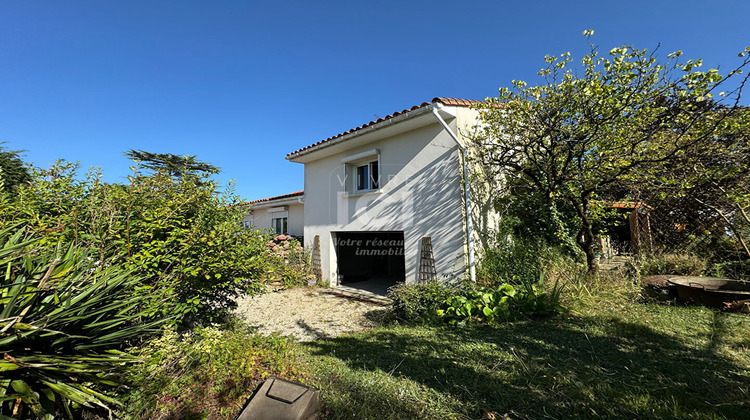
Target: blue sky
242, 83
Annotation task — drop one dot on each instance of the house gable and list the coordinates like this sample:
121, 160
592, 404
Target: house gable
418, 193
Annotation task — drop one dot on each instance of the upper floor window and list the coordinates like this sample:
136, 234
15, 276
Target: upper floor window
362, 171
368, 176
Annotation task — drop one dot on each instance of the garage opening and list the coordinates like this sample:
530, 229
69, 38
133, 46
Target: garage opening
372, 261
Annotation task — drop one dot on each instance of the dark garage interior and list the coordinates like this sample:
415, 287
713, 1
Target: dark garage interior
371, 261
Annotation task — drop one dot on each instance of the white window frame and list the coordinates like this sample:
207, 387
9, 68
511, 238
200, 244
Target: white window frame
367, 184
283, 229
368, 159
280, 215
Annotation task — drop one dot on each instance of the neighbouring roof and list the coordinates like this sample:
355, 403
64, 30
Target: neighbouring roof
444, 101
625, 204
278, 197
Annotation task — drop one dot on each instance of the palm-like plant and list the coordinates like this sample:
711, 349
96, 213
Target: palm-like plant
63, 321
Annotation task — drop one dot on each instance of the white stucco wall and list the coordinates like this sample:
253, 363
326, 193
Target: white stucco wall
260, 216
421, 195
296, 221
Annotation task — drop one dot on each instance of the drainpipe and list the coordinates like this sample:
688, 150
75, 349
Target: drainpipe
467, 195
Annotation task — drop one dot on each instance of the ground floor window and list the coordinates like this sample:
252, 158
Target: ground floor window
278, 224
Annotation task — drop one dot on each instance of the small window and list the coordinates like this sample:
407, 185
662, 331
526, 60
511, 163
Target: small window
368, 177
278, 224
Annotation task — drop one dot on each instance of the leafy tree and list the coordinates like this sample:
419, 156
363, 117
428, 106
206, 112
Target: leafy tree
529, 216
181, 235
13, 171
712, 182
188, 240
721, 181
620, 116
174, 165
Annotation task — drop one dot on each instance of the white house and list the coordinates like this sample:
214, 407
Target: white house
283, 214
387, 201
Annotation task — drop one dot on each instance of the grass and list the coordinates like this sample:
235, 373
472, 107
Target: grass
611, 356
208, 373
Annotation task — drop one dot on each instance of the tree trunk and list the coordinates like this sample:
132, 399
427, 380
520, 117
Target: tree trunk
585, 237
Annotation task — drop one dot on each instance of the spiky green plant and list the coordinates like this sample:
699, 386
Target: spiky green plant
63, 322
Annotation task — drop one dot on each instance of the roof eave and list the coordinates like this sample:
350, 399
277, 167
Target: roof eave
293, 157
281, 201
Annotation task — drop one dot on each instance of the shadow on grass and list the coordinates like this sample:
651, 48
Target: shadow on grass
552, 368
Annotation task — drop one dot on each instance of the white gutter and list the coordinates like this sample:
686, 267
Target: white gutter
467, 193
279, 202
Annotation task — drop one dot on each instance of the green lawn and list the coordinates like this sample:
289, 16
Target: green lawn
609, 357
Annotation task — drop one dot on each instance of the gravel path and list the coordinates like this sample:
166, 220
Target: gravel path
308, 314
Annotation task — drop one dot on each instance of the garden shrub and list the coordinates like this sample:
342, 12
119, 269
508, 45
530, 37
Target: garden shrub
493, 304
737, 269
678, 264
410, 301
180, 234
65, 319
515, 261
289, 261
206, 373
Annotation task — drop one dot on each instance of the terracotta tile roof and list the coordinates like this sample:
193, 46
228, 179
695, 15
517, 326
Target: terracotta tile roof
456, 101
278, 197
625, 204
444, 101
